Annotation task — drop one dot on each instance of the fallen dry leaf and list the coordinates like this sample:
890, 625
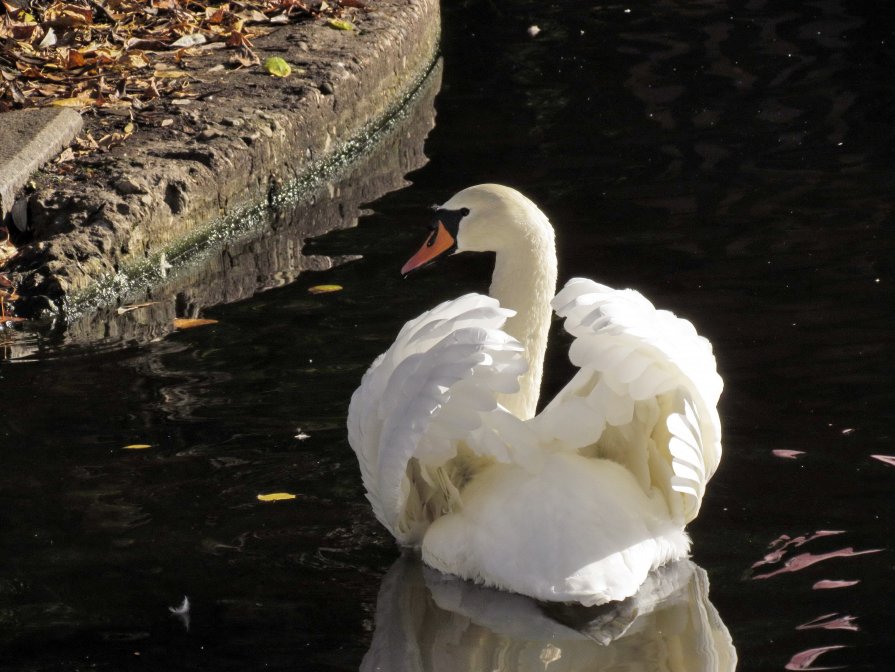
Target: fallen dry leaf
191, 323
325, 289
88, 53
7, 249
275, 497
127, 309
137, 446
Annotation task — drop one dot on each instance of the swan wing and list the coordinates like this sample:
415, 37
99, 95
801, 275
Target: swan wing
425, 417
645, 394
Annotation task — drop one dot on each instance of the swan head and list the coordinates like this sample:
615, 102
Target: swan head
483, 218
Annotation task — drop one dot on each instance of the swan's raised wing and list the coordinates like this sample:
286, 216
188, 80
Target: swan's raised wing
425, 417
645, 395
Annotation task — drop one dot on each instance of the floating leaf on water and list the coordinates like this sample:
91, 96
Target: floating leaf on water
803, 660
275, 496
787, 454
827, 584
277, 67
190, 323
184, 607
325, 289
803, 560
137, 446
886, 459
831, 622
340, 24
126, 309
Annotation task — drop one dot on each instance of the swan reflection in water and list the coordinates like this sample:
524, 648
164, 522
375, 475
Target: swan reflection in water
431, 622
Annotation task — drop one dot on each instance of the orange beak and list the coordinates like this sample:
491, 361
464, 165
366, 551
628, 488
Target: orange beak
438, 242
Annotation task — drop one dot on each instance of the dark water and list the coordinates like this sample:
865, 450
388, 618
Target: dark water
733, 161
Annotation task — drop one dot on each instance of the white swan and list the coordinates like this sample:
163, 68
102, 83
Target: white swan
577, 503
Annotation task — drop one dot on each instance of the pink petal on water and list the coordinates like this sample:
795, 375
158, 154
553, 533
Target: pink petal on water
829, 583
779, 540
803, 560
888, 459
831, 622
787, 541
802, 660
770, 558
786, 453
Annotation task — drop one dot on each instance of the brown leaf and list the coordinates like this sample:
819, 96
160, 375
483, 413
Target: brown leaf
7, 251
238, 39
61, 15
74, 60
245, 57
190, 323
79, 101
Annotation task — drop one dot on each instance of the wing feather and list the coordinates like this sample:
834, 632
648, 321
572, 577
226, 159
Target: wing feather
413, 419
651, 385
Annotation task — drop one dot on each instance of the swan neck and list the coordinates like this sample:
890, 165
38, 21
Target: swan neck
524, 280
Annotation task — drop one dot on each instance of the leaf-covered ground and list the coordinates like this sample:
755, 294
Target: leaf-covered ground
122, 54
117, 60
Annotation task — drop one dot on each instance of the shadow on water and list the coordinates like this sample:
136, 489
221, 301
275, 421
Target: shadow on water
431, 622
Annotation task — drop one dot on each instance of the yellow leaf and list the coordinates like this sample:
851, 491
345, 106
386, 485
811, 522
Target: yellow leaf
277, 67
71, 102
170, 74
187, 323
275, 496
137, 446
324, 289
340, 24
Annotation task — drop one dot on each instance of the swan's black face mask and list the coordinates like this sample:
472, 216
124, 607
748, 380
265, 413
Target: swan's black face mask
442, 239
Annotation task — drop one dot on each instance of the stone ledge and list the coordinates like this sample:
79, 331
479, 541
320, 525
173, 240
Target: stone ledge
28, 139
244, 139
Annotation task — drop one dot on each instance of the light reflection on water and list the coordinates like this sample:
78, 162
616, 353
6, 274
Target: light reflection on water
690, 150
432, 622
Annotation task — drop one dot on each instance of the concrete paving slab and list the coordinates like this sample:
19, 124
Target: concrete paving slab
28, 139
